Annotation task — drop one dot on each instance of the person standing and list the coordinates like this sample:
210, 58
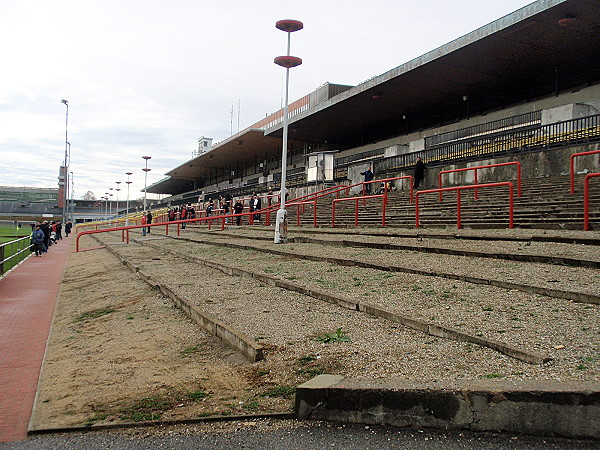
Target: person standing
238, 208
256, 205
184, 213
419, 172
37, 240
68, 227
149, 220
144, 222
368, 174
58, 230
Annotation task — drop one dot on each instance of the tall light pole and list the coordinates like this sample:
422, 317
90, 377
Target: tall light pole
66, 169
67, 166
289, 26
106, 196
146, 170
72, 195
127, 212
110, 204
118, 188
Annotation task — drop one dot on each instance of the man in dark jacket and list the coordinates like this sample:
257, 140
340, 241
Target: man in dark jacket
419, 172
368, 177
37, 240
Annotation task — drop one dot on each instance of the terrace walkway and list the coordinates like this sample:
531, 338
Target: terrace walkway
27, 299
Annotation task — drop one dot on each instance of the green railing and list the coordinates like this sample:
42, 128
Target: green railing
13, 252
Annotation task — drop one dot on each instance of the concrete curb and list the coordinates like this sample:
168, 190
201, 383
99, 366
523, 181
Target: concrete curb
235, 339
534, 408
411, 322
159, 423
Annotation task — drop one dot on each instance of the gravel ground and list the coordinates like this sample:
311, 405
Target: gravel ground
566, 331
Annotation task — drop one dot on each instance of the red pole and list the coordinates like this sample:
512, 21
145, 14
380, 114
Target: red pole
519, 179
417, 210
412, 194
333, 214
167, 229
384, 207
178, 229
510, 206
440, 184
298, 214
572, 173
476, 182
458, 225
127, 234
356, 211
315, 214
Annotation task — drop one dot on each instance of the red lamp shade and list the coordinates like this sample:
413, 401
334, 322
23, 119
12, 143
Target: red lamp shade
289, 25
288, 61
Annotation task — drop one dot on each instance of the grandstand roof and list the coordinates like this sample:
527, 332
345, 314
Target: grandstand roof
545, 48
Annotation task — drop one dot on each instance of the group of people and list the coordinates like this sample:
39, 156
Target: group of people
44, 234
146, 220
183, 212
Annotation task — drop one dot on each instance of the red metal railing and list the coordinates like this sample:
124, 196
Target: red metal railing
458, 189
355, 200
572, 166
475, 181
586, 200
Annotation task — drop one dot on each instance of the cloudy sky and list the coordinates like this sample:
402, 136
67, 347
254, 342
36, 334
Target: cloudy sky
149, 77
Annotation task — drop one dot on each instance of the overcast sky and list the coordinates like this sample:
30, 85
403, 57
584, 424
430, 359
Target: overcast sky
148, 77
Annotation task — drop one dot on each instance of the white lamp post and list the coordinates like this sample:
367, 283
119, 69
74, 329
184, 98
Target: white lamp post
289, 26
127, 211
118, 188
146, 170
66, 169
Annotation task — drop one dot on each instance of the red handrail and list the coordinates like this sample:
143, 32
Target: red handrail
355, 200
461, 188
475, 181
586, 200
572, 166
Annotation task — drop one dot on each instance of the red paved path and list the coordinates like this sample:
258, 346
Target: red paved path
27, 299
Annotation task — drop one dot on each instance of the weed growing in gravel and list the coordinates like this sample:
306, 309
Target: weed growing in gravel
189, 350
338, 336
129, 317
493, 375
487, 308
149, 408
279, 391
251, 406
94, 314
197, 395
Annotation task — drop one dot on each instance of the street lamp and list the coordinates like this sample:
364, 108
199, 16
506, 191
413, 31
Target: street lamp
118, 188
110, 204
146, 170
72, 194
66, 169
289, 26
106, 209
127, 212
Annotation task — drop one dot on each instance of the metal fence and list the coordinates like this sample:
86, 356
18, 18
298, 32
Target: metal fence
13, 252
510, 123
571, 132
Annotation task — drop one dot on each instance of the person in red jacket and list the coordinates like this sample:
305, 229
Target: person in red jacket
144, 222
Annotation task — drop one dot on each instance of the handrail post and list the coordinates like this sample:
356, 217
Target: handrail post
458, 225
510, 206
314, 213
223, 223
412, 188
333, 214
572, 172
440, 184
518, 179
167, 229
384, 207
127, 235
356, 211
417, 210
178, 229
298, 214
476, 183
